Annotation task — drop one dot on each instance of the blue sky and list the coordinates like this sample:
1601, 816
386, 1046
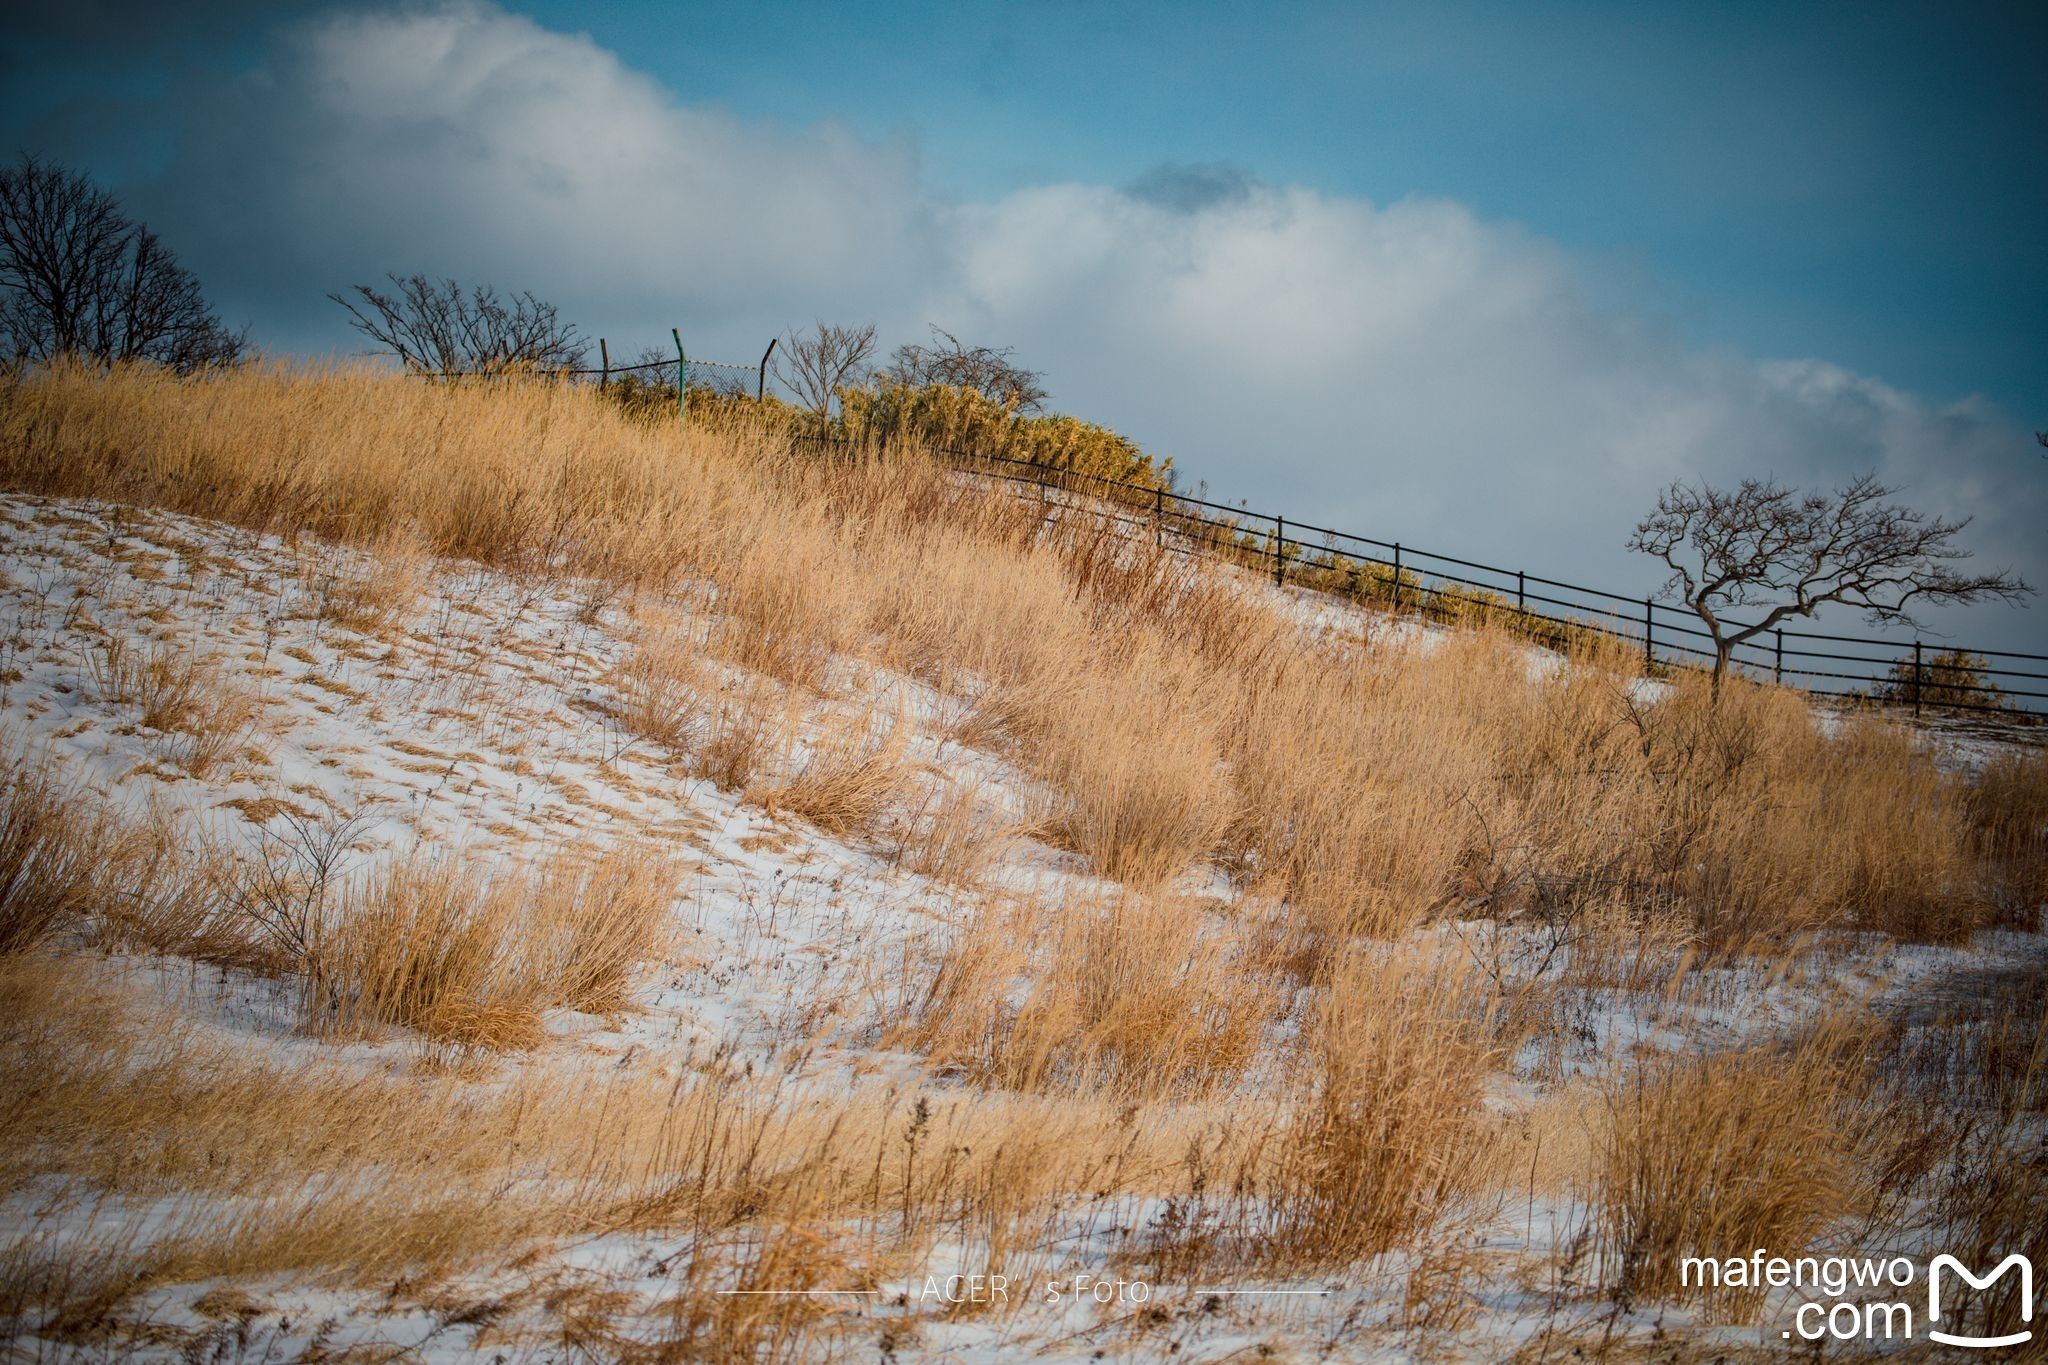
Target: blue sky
1868, 182
1478, 277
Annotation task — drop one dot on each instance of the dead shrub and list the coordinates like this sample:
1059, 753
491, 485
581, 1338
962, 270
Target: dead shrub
52, 856
1709, 1153
463, 954
1392, 1139
850, 777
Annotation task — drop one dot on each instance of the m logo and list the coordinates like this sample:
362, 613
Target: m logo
2026, 1269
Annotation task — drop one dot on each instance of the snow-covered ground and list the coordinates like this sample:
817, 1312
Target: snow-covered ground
482, 715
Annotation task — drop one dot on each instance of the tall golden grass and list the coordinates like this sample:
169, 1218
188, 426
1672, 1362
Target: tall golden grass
1766, 1146
1246, 1028
1178, 720
468, 956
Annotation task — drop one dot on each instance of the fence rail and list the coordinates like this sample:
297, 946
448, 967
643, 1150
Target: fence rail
1407, 579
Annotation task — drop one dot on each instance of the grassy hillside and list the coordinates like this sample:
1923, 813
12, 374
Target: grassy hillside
1193, 944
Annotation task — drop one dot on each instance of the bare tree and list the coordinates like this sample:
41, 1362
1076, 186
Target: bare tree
434, 327
815, 365
988, 370
1789, 554
78, 277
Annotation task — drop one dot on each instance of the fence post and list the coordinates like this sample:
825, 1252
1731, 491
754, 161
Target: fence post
1916, 680
605, 358
761, 380
1649, 634
1279, 551
682, 377
1521, 593
1778, 664
1159, 517
1397, 578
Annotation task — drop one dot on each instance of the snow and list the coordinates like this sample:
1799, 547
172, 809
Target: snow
483, 718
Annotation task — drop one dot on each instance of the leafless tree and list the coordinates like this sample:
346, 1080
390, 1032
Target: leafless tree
78, 277
815, 365
435, 327
1788, 554
988, 370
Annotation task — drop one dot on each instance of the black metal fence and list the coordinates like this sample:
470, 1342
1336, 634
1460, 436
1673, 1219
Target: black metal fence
1403, 578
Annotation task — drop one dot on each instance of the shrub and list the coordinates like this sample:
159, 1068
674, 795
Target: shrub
943, 417
1392, 1138
1715, 1153
1948, 679
52, 849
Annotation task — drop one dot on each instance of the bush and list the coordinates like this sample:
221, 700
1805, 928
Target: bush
1757, 1147
50, 858
1950, 679
943, 417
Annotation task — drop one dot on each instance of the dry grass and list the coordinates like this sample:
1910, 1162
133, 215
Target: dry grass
206, 717
1765, 1146
2008, 812
1139, 770
165, 896
372, 591
1132, 996
955, 833
470, 956
745, 725
726, 726
452, 1176
661, 693
51, 857
1392, 1141
1296, 1076
850, 778
1368, 788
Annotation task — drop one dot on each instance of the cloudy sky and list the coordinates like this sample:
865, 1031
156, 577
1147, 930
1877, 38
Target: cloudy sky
1476, 277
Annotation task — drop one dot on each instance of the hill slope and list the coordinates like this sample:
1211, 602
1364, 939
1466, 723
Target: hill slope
483, 877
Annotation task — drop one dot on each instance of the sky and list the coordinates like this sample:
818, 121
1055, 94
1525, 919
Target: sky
1476, 277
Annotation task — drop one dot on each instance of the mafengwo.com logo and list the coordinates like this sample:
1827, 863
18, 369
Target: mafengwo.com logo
1844, 1300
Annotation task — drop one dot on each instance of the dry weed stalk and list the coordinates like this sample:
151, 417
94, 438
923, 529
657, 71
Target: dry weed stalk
207, 716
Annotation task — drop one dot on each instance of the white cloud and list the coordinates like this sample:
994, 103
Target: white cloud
461, 139
1409, 370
